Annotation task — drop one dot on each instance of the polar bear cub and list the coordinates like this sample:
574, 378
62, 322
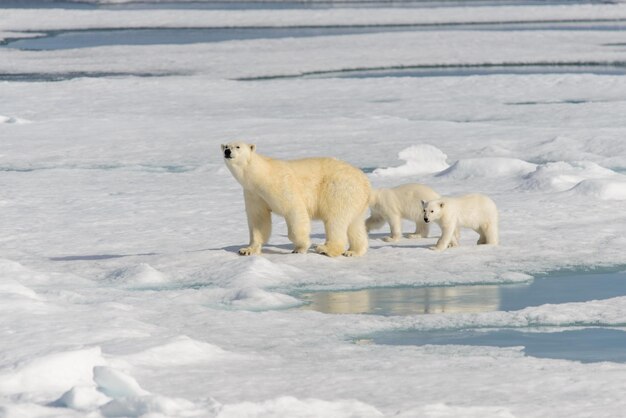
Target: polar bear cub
401, 202
301, 190
475, 211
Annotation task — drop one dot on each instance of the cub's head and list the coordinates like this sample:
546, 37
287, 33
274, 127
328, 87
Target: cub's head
432, 210
237, 152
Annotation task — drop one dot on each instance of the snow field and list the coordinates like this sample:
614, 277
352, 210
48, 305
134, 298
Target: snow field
120, 288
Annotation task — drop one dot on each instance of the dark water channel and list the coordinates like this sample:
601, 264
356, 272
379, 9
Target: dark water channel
87, 38
585, 345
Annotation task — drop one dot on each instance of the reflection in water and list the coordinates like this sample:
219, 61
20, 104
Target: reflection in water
554, 289
406, 301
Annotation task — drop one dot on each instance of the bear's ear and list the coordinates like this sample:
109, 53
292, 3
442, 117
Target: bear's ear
424, 204
252, 147
441, 205
223, 147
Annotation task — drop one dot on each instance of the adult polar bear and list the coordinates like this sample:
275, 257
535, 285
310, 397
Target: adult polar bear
301, 190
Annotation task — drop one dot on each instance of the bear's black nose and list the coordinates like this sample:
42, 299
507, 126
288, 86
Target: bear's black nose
227, 153
425, 220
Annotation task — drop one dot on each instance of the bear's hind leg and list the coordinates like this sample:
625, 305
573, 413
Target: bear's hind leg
482, 239
490, 233
299, 230
375, 221
421, 230
357, 238
336, 237
395, 224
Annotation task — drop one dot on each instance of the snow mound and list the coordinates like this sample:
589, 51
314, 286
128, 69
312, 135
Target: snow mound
180, 351
419, 159
82, 398
288, 406
10, 270
130, 400
138, 276
255, 272
445, 411
253, 298
563, 148
604, 189
11, 119
560, 176
13, 288
52, 373
488, 167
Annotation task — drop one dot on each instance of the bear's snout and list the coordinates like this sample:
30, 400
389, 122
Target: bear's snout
426, 220
227, 153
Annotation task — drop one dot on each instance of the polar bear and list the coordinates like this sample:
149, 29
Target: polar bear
401, 202
301, 190
475, 211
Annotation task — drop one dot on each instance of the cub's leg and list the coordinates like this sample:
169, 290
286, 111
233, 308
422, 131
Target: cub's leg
448, 234
422, 230
395, 224
491, 234
375, 221
456, 238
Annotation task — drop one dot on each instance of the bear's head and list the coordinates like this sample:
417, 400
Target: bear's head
237, 152
432, 210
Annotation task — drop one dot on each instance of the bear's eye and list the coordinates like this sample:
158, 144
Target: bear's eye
432, 211
237, 146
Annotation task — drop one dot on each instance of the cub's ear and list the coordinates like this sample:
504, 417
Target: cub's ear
441, 205
424, 204
223, 147
252, 147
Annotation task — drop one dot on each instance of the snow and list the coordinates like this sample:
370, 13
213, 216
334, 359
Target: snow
121, 290
287, 406
496, 167
419, 159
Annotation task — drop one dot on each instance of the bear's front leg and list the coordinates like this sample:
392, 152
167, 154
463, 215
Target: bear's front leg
446, 239
259, 223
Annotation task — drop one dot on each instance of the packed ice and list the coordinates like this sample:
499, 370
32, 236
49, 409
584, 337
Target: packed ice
121, 290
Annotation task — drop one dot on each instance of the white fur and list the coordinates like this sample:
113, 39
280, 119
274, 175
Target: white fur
475, 211
301, 190
402, 202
